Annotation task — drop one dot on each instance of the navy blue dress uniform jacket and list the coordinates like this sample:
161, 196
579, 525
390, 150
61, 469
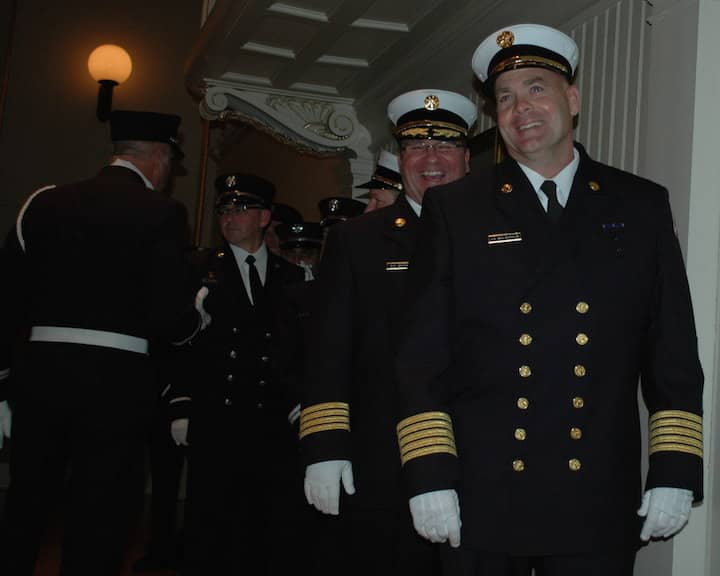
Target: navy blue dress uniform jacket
518, 372
348, 392
104, 255
238, 385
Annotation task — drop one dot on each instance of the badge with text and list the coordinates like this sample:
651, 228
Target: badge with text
504, 238
396, 265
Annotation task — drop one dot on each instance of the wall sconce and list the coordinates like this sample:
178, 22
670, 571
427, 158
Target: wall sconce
110, 65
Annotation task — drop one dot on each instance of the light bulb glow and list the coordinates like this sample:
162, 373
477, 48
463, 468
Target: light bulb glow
110, 62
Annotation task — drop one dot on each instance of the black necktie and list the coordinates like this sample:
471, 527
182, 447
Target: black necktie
553, 207
256, 288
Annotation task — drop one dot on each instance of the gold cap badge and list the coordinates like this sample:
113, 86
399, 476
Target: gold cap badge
432, 102
400, 223
230, 181
505, 39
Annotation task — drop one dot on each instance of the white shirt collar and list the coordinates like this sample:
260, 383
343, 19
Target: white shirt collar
129, 165
417, 208
261, 262
563, 180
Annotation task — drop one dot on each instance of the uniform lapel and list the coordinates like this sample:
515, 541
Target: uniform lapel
233, 281
400, 228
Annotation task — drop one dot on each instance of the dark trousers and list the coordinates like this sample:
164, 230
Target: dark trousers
244, 503
166, 462
78, 429
371, 540
458, 562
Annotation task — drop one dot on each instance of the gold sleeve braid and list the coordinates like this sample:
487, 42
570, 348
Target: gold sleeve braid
676, 431
424, 434
324, 417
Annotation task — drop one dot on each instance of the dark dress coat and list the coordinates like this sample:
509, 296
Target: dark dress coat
532, 340
358, 296
104, 254
238, 385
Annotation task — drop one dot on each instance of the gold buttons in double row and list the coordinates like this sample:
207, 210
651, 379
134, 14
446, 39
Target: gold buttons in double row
574, 464
580, 371
578, 402
525, 339
582, 307
523, 403
525, 371
582, 339
518, 465
575, 433
520, 434
526, 307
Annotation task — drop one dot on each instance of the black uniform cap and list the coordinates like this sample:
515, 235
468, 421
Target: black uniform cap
246, 190
146, 126
338, 209
300, 235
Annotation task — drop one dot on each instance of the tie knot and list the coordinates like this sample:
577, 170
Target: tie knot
250, 259
549, 187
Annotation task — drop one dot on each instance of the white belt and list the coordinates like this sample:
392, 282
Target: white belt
89, 337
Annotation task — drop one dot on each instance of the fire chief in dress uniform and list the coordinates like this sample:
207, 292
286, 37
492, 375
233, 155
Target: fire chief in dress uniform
233, 404
102, 281
540, 294
347, 419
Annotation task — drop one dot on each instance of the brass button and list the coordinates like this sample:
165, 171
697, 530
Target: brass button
520, 434
399, 223
574, 464
582, 339
580, 371
525, 339
578, 402
582, 307
268, 335
236, 330
233, 354
526, 308
262, 382
525, 371
265, 359
260, 405
594, 186
518, 465
523, 403
575, 433
229, 377
228, 402
506, 188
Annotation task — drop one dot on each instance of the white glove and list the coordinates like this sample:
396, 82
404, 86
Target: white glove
205, 318
436, 516
667, 510
179, 430
322, 484
5, 421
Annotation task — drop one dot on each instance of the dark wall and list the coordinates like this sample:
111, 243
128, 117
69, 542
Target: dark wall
49, 133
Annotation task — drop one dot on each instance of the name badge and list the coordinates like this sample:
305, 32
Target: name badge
396, 265
504, 238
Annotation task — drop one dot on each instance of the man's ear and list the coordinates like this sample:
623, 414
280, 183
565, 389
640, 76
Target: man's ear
573, 98
265, 218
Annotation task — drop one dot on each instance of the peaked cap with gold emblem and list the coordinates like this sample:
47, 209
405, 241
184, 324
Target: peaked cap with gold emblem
246, 190
524, 46
432, 113
386, 175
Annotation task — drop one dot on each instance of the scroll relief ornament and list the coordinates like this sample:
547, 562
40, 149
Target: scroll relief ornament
321, 118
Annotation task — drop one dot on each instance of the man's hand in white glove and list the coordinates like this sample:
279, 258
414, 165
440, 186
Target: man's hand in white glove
205, 318
322, 484
179, 430
436, 516
5, 421
667, 510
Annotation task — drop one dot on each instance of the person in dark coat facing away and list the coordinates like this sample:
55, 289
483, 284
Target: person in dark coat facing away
102, 281
542, 292
347, 423
235, 406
